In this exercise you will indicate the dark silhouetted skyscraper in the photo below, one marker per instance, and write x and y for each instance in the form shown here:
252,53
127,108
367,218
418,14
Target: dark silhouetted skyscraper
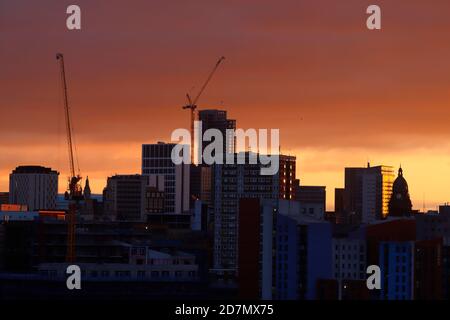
157,161
124,197
217,119
231,183
287,177
367,193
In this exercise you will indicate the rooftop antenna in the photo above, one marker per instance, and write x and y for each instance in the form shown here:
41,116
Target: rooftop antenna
423,203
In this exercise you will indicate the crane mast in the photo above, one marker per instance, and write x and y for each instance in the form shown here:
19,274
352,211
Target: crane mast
74,193
60,57
192,104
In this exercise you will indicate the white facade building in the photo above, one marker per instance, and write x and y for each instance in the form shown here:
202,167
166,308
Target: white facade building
144,265
157,161
349,259
369,198
233,182
34,186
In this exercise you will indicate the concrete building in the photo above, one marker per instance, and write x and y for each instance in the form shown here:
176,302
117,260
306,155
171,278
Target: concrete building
154,201
287,177
124,197
144,264
303,248
43,240
312,200
341,218
156,160
199,218
446,268
201,182
290,253
304,256
231,183
367,193
445,208
429,281
249,243
283,252
206,185
35,186
311,194
256,246
431,226
268,260
195,187
349,259
4,198
392,230
319,256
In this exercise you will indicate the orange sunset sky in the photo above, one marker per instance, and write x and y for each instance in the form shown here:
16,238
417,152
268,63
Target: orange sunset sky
340,94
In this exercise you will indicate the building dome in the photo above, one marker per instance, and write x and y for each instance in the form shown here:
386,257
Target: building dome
400,184
400,202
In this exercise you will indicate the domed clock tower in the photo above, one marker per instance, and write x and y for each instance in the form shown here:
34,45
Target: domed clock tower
400,203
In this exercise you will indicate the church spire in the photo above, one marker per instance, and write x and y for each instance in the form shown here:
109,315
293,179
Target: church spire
87,189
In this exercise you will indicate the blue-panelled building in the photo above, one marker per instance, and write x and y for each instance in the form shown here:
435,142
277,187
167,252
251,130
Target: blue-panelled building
287,258
397,274
304,255
319,256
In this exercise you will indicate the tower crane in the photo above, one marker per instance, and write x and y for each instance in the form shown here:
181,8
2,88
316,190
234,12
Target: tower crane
74,192
192,103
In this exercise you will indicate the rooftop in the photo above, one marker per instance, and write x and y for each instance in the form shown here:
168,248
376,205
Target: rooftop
29,169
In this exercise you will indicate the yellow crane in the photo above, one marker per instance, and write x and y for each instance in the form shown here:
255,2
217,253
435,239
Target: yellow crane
74,192
192,104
